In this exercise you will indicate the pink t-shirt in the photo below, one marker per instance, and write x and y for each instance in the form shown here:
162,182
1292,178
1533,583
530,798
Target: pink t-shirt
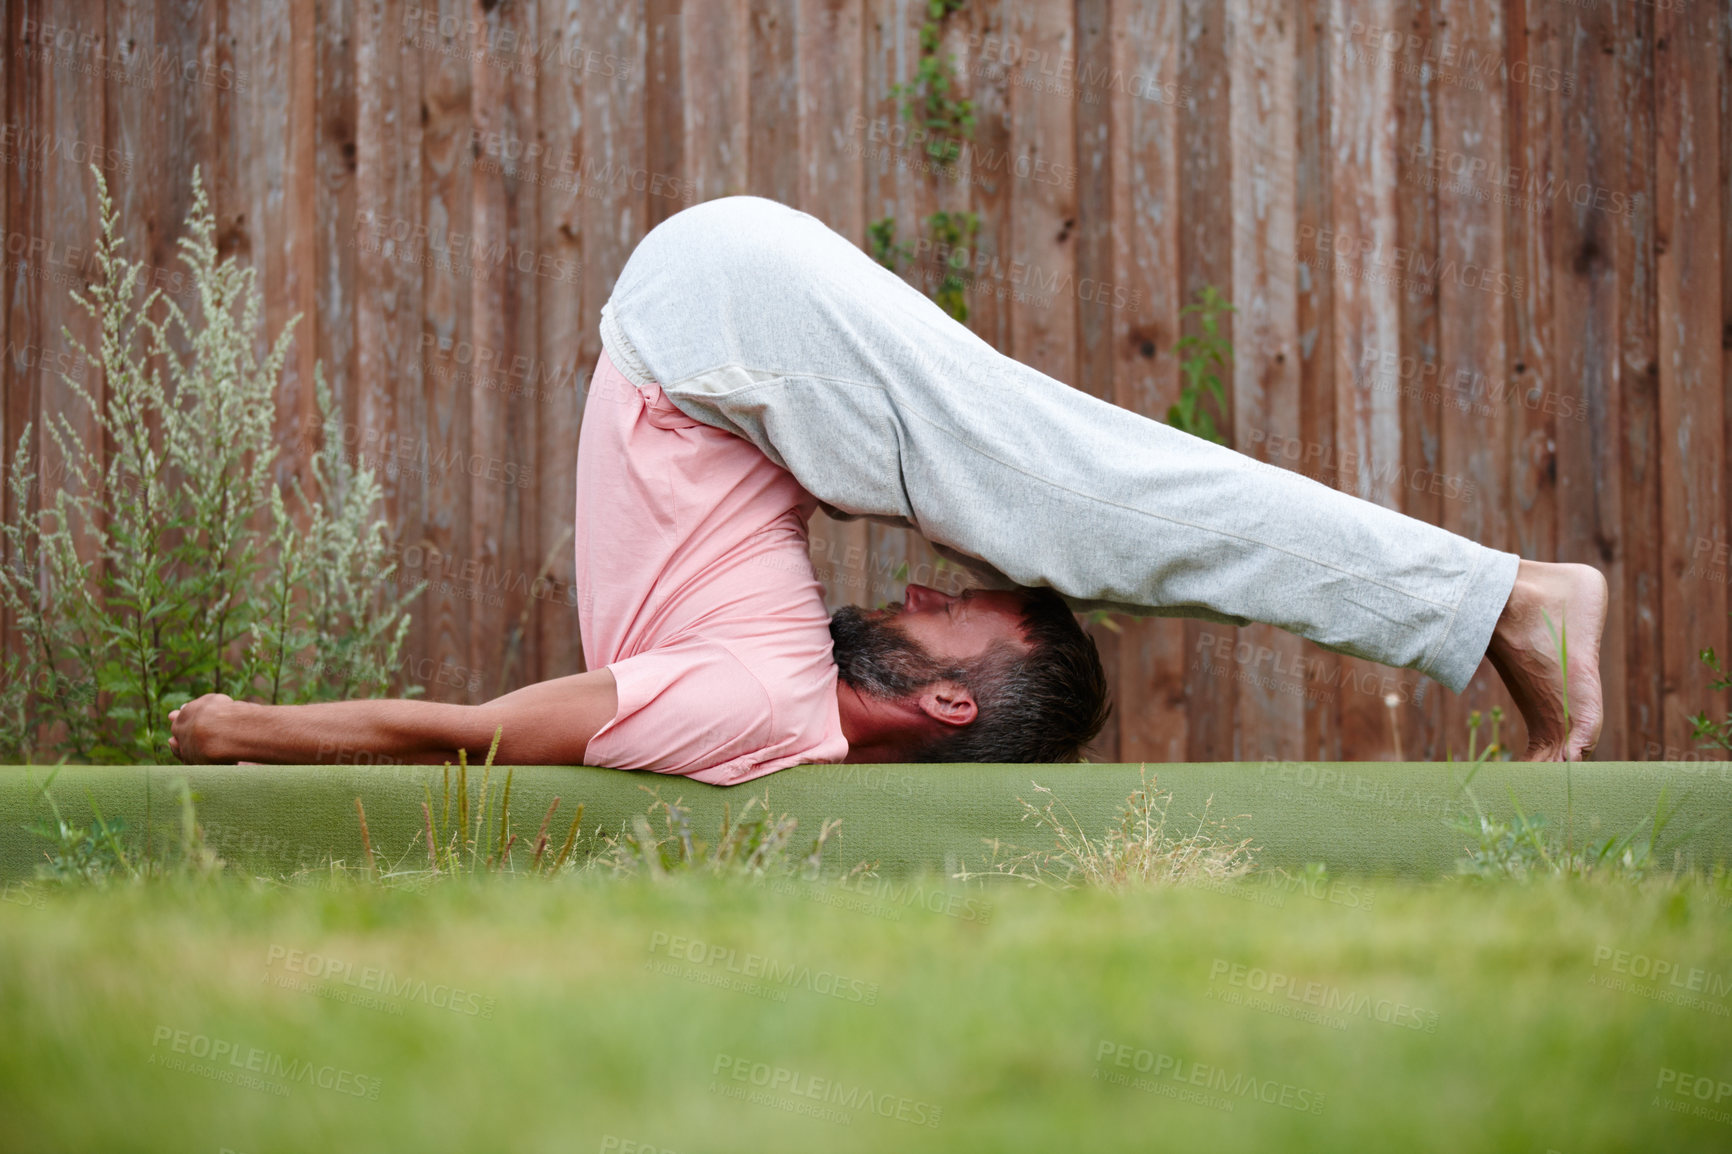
696,589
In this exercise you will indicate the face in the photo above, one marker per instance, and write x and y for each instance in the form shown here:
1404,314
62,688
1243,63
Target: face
925,637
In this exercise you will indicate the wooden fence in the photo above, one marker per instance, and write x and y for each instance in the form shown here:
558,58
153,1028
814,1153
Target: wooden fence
1476,249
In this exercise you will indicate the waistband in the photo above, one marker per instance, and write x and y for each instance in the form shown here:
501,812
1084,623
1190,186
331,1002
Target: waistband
620,351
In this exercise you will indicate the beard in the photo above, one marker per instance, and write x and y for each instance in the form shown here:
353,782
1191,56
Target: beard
879,659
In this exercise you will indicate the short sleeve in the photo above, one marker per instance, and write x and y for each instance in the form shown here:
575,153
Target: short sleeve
690,708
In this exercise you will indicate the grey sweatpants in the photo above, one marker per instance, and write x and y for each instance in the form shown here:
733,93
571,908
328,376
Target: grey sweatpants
758,319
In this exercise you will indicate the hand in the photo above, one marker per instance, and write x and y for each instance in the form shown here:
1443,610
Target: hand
200,729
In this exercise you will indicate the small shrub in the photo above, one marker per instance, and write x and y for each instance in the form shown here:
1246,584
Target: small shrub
1138,851
163,561
757,845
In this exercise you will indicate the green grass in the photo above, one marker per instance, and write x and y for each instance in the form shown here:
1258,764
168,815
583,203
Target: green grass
568,1033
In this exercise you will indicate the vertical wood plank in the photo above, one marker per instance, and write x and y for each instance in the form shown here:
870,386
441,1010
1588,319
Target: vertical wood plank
61,223
1363,140
1640,442
829,48
11,392
856,561
1692,400
279,194
1150,693
1531,369
773,140
1723,38
1205,257
507,275
664,103
1313,212
568,341
716,91
1589,136
332,325
991,177
20,397
398,244
1265,380
1471,334
1096,262
1044,214
1412,373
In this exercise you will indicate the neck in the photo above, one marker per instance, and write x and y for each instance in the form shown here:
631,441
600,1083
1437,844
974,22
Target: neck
878,731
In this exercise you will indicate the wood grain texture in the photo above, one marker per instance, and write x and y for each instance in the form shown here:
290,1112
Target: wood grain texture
1361,255
1472,341
1143,92
1516,328
1411,375
1314,297
828,41
1205,258
717,89
567,344
1265,380
1590,140
857,561
1692,392
413,145
1096,261
1640,612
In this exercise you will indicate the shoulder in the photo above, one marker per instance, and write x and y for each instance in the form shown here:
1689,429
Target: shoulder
684,707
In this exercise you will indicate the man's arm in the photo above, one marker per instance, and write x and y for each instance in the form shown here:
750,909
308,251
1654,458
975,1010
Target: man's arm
549,723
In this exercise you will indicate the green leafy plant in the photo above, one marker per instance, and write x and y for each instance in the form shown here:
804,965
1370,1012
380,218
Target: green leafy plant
1717,734
1140,850
163,560
930,102
930,99
1200,356
104,851
952,235
1527,847
881,243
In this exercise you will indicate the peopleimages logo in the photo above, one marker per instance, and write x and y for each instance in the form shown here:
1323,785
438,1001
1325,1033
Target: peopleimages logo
828,1092
1273,984
1685,1093
1112,1057
379,980
223,1060
777,974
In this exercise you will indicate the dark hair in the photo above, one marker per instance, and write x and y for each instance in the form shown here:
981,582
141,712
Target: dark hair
1040,704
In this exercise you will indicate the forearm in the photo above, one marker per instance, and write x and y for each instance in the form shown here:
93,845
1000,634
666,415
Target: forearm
340,731
549,723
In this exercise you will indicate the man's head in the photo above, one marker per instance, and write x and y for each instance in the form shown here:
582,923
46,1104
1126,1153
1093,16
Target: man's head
1004,675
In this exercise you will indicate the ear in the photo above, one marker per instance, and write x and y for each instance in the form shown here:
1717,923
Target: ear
948,703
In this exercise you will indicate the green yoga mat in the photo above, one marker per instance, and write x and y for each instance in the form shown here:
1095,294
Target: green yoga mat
1357,818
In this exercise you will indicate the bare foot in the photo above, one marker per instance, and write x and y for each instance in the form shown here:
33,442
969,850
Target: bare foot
1525,654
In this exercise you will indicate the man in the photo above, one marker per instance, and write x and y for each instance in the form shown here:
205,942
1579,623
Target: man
757,366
